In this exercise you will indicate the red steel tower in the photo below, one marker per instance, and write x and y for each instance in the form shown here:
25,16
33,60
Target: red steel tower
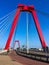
30,9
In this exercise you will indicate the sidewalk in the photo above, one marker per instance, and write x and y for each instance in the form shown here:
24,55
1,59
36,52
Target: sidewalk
6,60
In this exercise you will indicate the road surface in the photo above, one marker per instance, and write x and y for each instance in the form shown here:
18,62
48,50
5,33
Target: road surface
24,60
6,60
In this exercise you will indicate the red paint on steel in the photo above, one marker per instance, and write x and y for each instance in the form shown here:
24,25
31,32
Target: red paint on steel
38,29
22,7
12,29
15,43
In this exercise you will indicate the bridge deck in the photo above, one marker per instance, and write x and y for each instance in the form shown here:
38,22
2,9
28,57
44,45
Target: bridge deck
24,60
6,60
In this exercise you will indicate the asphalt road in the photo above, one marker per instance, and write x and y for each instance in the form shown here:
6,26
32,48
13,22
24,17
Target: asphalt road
24,60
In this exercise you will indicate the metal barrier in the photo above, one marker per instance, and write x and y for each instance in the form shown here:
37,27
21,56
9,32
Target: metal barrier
35,56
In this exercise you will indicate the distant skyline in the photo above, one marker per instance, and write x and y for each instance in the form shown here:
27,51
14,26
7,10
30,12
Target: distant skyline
7,6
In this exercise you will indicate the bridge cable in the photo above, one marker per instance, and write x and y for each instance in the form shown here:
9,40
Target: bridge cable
44,13
3,24
7,15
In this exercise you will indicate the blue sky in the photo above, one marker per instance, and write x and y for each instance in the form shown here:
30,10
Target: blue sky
7,6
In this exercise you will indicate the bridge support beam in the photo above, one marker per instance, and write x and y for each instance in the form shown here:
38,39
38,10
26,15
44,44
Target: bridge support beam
45,48
20,8
12,29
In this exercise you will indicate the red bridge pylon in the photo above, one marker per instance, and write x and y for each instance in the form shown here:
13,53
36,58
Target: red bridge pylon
30,9
16,41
